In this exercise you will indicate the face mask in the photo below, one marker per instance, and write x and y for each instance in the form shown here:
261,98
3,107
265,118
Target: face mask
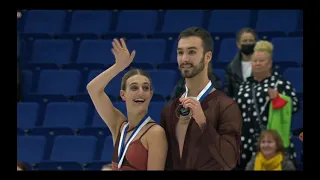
247,49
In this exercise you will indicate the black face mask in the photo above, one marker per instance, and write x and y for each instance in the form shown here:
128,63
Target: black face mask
247,49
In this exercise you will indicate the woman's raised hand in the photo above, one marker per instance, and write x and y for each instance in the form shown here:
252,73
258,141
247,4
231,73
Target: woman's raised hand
121,53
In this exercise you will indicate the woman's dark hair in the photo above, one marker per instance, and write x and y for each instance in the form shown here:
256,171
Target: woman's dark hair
131,73
246,30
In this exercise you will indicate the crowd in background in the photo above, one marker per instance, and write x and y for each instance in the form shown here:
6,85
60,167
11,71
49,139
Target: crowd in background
262,149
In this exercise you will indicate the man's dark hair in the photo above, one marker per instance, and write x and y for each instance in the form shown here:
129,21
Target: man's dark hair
204,35
246,30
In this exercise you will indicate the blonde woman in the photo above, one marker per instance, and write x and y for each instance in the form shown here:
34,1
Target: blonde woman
270,154
256,94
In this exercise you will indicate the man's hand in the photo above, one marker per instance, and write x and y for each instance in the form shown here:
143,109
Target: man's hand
195,108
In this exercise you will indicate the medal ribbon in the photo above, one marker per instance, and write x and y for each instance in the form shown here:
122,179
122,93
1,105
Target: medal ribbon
203,93
123,147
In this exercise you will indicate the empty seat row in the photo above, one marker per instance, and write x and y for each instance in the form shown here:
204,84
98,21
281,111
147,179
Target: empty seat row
146,21
79,149
69,83
150,52
72,115
77,152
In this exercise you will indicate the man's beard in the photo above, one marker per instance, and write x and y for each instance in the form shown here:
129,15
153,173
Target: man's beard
193,70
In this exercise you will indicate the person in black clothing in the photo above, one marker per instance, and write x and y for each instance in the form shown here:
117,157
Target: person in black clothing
180,88
239,69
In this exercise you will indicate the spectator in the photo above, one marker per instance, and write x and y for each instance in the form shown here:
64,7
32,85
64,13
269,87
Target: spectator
107,167
239,69
21,166
270,154
180,89
254,98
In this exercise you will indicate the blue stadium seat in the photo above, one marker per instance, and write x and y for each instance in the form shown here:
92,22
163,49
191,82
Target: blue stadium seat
171,62
226,22
56,85
155,110
221,74
300,25
27,115
297,120
173,54
276,22
44,23
98,128
107,150
158,77
96,166
51,54
228,50
121,106
176,21
64,118
94,54
149,53
21,20
59,135
30,148
27,82
78,149
114,86
59,166
288,51
97,121
137,21
66,114
88,24
20,132
298,147
23,52
295,77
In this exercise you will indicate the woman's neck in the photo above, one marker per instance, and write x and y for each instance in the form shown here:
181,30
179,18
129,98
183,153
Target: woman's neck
270,156
135,118
246,57
261,76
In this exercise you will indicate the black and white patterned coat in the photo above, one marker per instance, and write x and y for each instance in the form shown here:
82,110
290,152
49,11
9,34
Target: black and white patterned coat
251,128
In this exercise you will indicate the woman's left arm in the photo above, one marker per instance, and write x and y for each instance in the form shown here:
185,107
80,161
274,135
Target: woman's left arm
157,148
